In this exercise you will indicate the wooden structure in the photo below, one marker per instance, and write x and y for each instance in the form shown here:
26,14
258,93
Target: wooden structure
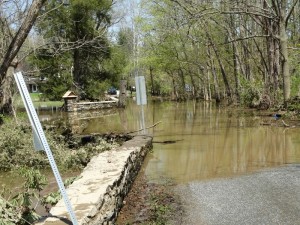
70,98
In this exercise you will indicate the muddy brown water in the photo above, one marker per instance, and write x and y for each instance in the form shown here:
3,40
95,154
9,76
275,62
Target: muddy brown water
194,141
199,140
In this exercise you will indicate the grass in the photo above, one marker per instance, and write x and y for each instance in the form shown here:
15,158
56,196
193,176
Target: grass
37,102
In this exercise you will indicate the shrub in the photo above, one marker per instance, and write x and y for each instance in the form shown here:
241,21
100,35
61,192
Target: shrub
19,209
251,93
16,148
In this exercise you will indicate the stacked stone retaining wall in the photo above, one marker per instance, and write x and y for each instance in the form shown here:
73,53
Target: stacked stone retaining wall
97,196
82,106
73,106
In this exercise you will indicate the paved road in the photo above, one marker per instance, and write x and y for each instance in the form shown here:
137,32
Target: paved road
270,196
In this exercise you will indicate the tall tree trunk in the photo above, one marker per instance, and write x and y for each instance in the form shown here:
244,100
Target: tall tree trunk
182,79
215,77
285,63
222,68
77,68
276,68
7,92
270,28
284,53
12,51
174,95
152,81
284,10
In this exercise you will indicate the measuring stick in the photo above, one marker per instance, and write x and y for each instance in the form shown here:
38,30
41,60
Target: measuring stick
40,136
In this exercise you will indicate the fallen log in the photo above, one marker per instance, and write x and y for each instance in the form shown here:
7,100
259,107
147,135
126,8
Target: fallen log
167,142
143,128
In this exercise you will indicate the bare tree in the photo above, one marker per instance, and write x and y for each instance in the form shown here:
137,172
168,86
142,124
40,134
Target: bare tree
262,26
13,48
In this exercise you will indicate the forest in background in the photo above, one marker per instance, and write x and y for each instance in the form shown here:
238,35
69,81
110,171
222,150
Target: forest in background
244,52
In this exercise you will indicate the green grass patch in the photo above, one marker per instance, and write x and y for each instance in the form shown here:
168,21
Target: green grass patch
37,102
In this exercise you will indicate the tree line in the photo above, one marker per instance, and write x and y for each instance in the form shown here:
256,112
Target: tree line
245,52
242,51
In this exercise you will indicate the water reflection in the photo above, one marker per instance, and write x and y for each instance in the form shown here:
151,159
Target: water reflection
215,142
210,141
122,121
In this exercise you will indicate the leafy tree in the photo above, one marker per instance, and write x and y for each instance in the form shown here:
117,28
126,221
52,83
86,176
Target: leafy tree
212,45
76,36
55,77
119,65
12,42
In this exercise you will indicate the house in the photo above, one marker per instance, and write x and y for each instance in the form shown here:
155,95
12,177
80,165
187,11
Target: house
33,83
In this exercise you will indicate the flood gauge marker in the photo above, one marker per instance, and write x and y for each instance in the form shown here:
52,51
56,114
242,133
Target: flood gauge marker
40,141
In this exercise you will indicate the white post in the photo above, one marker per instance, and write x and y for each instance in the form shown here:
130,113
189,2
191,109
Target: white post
42,141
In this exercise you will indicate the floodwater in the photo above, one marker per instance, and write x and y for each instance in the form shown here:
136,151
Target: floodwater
214,142
198,140
195,142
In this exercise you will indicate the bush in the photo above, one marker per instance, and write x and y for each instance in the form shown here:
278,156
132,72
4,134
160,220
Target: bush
19,208
16,148
251,93
96,90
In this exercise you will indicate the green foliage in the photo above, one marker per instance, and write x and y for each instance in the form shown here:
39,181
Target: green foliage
96,89
119,65
19,209
34,179
51,198
55,73
76,49
295,89
251,92
159,211
16,148
9,213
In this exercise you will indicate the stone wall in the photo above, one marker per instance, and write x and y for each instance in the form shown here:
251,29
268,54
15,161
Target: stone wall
97,196
72,106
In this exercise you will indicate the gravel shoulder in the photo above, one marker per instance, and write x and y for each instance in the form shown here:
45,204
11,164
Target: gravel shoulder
271,196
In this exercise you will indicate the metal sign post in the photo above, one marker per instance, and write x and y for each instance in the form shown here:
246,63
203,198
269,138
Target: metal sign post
141,97
40,141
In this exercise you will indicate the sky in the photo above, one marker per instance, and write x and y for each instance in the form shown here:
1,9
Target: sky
124,12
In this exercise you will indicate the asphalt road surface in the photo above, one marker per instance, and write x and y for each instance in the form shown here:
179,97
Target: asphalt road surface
271,196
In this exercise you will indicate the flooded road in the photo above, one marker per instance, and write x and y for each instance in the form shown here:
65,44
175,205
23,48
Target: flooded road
217,142
230,166
197,140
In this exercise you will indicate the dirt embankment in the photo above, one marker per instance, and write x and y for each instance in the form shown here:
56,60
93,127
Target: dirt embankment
150,203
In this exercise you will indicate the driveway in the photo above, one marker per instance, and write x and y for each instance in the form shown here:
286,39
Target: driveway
271,196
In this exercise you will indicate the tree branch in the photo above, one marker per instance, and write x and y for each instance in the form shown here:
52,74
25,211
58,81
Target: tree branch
245,38
145,128
20,37
290,12
247,13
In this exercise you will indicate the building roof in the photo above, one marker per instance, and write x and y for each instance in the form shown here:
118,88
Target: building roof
69,94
